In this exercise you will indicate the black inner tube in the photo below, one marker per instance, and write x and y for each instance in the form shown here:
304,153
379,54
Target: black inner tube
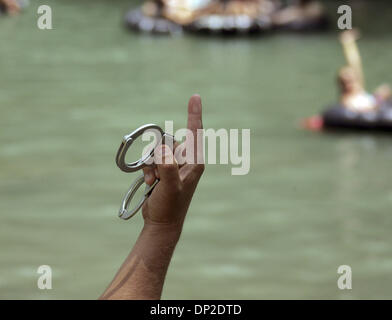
339,117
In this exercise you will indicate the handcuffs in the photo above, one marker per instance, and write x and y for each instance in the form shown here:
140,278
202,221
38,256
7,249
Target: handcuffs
146,160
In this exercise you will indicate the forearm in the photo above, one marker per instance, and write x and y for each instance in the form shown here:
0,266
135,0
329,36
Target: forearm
143,272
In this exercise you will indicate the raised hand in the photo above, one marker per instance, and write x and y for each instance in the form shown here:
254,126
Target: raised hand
171,197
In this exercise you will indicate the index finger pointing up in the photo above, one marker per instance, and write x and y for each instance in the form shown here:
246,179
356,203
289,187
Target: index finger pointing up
195,122
194,114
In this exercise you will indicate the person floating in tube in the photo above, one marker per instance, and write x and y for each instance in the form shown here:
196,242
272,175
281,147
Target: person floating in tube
301,15
355,102
166,16
199,15
351,78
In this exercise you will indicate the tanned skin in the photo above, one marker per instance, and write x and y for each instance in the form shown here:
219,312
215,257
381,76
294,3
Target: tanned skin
142,274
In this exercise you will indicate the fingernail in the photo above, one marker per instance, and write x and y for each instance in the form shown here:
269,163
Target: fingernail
196,106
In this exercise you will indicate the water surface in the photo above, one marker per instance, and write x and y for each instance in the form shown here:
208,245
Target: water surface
311,202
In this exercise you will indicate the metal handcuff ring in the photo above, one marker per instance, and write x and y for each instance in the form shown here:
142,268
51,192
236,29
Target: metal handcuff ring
162,137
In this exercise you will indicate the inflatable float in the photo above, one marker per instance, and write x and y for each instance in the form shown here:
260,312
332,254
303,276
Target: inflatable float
226,16
339,117
301,16
357,108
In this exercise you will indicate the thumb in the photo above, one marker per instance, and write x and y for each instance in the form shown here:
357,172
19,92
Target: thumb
167,165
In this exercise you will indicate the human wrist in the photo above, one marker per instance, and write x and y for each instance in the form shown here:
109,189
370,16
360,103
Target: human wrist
163,233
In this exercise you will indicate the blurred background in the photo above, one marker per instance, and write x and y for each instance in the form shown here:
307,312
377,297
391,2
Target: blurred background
311,202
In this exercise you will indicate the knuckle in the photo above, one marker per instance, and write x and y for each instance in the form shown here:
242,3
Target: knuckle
176,189
167,166
194,174
200,169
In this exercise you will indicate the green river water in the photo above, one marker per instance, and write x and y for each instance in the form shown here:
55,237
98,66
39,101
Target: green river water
310,203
